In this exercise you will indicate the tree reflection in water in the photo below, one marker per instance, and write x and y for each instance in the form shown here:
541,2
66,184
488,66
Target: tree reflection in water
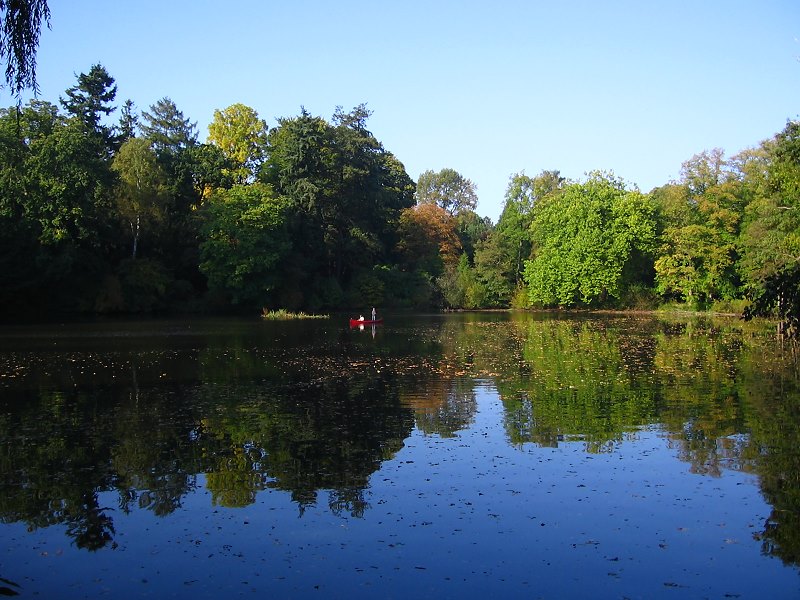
320,416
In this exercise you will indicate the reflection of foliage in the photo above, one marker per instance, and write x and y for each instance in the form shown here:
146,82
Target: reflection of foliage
727,399
61,450
154,464
697,367
442,406
780,296
330,435
773,384
317,415
92,529
49,467
584,383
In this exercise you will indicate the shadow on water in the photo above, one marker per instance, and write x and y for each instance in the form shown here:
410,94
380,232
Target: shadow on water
145,409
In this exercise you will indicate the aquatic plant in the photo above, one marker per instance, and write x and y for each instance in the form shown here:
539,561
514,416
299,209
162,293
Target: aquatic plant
284,315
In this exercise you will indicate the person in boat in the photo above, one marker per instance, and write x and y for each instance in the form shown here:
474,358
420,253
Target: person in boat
373,313
360,317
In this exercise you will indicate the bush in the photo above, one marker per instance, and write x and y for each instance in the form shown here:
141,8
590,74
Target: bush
367,290
404,289
520,299
639,297
732,307
144,284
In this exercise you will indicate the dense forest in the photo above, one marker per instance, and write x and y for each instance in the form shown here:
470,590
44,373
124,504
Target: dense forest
108,209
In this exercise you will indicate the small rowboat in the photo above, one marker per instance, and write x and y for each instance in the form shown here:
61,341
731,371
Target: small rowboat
357,322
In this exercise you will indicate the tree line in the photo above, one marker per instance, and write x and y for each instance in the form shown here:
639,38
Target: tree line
136,214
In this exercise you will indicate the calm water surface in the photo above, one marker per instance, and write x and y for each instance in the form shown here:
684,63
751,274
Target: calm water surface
440,456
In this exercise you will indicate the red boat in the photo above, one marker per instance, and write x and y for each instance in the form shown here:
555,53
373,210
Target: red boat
357,322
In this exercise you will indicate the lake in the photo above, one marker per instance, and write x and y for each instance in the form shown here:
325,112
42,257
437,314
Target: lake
463,455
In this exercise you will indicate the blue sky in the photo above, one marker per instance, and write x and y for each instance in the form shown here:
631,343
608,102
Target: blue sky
486,88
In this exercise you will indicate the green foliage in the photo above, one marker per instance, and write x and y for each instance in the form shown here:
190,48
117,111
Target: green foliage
520,298
495,272
771,236
730,307
128,122
583,238
242,137
54,207
779,297
245,243
698,258
448,189
20,25
471,230
144,285
693,264
704,171
512,236
90,99
405,289
167,129
77,196
140,191
451,287
207,168
285,315
368,289
345,190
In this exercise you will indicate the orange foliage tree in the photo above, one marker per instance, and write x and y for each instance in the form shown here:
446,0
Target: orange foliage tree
428,239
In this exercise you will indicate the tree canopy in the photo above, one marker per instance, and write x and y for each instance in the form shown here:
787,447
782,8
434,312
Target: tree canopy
20,26
242,137
584,239
100,213
447,189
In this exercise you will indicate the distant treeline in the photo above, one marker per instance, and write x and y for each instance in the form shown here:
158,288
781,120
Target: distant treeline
140,216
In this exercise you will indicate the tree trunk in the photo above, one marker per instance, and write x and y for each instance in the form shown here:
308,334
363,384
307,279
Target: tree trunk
135,232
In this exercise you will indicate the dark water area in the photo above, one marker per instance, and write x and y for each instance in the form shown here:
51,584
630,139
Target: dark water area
433,456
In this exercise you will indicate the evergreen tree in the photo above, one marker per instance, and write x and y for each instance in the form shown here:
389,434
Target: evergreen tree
90,99
128,122
167,129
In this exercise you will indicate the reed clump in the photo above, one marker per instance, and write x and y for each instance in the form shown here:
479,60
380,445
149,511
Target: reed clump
284,315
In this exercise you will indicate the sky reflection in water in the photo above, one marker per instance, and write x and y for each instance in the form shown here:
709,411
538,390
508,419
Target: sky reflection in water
446,456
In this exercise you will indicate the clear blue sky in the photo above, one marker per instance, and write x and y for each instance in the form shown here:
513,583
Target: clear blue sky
486,88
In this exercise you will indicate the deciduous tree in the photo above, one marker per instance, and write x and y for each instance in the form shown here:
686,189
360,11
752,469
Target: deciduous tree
583,239
140,192
428,239
21,23
447,189
242,136
513,228
703,213
54,206
246,240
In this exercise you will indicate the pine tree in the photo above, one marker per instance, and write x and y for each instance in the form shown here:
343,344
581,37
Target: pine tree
91,99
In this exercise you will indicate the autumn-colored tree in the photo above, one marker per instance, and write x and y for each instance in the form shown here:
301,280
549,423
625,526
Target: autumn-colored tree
428,239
